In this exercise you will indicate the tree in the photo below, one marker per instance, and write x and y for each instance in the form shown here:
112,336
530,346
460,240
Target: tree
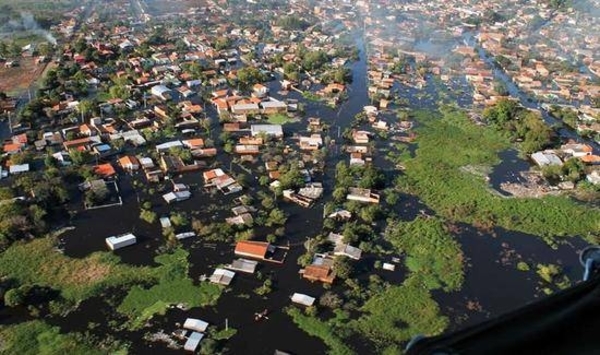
249,76
87,107
342,267
14,297
119,92
276,217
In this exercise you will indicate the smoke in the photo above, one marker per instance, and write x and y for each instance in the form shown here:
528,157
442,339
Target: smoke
30,24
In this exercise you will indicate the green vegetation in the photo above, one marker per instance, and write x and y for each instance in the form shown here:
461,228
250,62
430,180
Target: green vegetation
279,118
174,286
435,175
519,124
148,216
36,337
36,262
315,327
431,253
399,313
523,266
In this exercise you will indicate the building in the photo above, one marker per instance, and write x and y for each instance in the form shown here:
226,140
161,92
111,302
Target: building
546,158
193,341
268,129
120,241
18,169
320,270
303,299
222,277
196,325
129,162
161,91
252,249
243,265
177,196
362,195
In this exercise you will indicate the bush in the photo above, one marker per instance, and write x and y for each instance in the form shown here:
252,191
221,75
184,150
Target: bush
148,216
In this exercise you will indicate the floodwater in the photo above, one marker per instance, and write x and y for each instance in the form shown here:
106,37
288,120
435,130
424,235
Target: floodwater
509,170
493,284
496,287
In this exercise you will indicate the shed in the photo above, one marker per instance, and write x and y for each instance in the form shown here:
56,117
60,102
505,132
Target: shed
185,235
389,267
243,265
303,299
222,276
195,325
18,169
177,196
121,241
193,341
165,222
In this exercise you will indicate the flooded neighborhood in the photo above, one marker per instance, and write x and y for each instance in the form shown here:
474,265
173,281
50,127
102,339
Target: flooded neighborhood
306,177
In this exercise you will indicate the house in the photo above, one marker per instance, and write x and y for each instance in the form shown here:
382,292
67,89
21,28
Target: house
577,150
120,241
193,341
320,270
303,299
238,210
177,196
253,249
245,218
593,177
545,158
18,169
247,149
105,170
273,106
129,162
171,164
195,325
267,129
347,250
259,90
243,265
362,195
12,148
245,109
222,277
360,137
341,215
314,142
161,91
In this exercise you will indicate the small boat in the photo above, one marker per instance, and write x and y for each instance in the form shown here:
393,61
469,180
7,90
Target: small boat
261,315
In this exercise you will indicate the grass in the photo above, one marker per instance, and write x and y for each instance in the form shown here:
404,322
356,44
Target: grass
37,337
399,313
450,142
279,118
36,262
430,252
174,286
322,330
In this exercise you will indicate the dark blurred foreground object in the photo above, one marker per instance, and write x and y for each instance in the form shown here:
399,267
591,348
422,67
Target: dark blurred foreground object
567,322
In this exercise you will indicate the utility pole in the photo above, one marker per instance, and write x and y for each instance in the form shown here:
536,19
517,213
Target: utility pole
226,324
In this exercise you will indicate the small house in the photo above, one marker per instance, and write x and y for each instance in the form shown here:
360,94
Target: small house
193,341
129,162
303,299
222,277
120,241
196,325
243,265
